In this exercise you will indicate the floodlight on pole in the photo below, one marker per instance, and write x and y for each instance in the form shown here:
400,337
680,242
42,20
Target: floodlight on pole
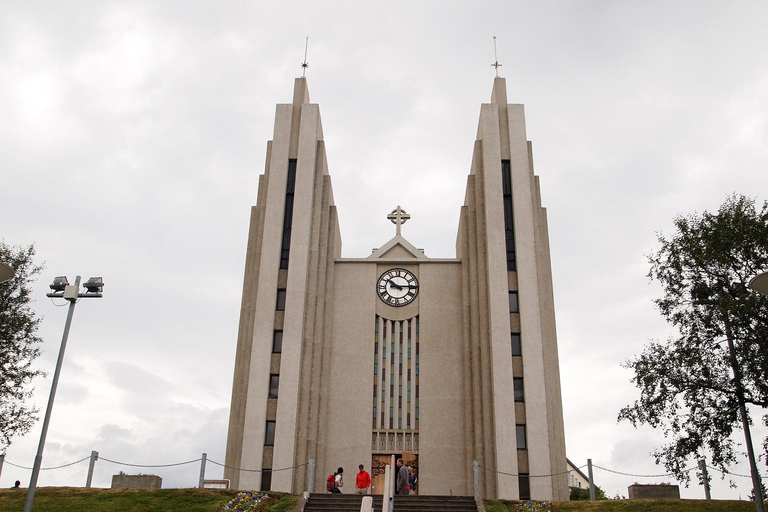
59,284
61,289
6,272
759,283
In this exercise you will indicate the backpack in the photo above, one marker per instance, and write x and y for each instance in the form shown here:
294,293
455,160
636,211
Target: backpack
330,482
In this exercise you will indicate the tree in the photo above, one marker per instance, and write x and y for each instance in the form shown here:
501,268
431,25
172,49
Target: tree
690,387
579,493
19,343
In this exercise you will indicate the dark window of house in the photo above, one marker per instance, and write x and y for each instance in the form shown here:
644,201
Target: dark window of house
274,383
266,479
518,384
285,250
517,347
509,221
520,434
525,486
514,307
269,437
277,342
280,300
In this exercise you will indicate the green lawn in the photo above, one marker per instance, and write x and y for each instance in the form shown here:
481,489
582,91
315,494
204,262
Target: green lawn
74,499
628,506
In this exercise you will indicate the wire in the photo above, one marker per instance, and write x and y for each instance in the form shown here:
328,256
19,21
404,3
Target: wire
256,470
53,467
530,476
149,465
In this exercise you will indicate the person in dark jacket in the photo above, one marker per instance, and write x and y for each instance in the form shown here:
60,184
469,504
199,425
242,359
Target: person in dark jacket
402,487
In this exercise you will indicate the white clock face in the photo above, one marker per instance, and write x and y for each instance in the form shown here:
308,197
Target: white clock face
397,287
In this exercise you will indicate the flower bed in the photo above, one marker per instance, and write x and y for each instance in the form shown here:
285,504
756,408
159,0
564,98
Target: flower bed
246,502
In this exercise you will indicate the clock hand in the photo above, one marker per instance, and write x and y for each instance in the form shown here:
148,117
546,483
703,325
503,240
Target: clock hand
395,285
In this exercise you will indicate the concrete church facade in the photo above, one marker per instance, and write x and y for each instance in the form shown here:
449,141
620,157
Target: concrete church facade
440,361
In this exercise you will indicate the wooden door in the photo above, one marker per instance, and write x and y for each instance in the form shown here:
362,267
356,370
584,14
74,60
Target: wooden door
412,460
377,473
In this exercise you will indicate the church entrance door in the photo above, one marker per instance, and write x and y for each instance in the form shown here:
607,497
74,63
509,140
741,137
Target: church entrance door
379,463
377,472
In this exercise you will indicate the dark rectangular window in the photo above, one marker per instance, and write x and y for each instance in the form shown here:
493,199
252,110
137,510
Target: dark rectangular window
266,479
514,307
525,486
509,221
285,250
517,347
280,300
522,444
518,384
274,383
269,437
277,342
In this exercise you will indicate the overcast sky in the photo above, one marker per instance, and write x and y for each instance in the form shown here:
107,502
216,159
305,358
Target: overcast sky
132,135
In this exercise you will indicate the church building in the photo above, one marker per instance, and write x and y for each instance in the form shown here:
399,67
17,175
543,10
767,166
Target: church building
453,360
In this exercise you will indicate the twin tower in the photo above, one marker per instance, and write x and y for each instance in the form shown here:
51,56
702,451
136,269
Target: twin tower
442,362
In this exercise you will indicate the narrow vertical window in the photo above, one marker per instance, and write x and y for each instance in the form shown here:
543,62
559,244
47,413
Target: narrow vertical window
277,342
274,383
518,385
517,346
509,221
285,250
269,436
280,306
524,483
266,479
514,306
522,444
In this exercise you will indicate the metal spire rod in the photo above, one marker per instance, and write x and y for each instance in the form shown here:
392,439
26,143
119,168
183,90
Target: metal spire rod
495,64
305,64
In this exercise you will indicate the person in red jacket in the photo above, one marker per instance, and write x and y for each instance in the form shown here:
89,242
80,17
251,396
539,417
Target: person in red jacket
362,481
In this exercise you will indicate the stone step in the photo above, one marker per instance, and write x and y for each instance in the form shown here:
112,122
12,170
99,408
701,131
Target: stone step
352,502
434,503
338,503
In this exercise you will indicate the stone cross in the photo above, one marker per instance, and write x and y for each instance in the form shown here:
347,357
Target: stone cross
495,64
398,217
305,64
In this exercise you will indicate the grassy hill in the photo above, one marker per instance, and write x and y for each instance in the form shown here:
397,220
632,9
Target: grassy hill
73,499
76,499
626,506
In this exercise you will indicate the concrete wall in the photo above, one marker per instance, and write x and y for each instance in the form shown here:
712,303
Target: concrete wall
638,491
442,448
136,482
348,435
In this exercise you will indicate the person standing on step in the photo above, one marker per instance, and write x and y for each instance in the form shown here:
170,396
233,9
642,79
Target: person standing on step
412,479
339,480
402,487
362,481
335,481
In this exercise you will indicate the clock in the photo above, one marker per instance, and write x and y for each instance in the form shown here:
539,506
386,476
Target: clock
397,287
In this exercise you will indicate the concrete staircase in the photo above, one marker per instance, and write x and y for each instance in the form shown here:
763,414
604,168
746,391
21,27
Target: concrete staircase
318,502
434,504
351,503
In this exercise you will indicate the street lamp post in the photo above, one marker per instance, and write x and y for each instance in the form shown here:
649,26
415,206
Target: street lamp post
759,283
756,484
737,378
61,289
